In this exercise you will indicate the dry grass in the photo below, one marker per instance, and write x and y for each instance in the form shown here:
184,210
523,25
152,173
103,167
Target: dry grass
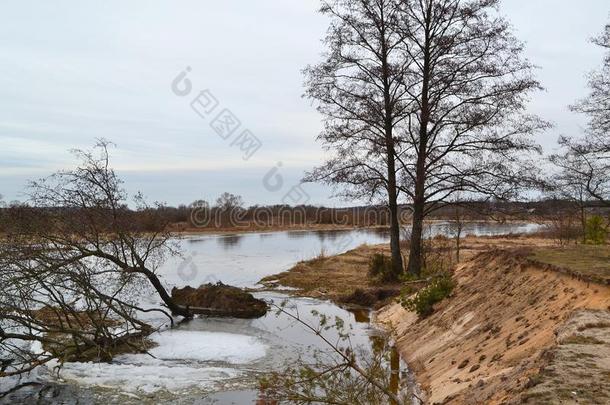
220,300
87,323
332,277
337,277
587,261
83,320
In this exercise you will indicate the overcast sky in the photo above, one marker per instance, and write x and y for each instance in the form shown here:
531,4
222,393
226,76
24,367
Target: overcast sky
74,71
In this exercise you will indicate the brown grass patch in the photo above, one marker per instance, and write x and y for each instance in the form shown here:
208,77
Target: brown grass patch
337,277
62,325
588,261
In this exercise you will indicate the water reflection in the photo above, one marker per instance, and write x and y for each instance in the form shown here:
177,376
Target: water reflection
296,235
244,259
379,346
394,372
235,242
361,315
229,242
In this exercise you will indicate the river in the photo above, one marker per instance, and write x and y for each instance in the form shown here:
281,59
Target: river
218,361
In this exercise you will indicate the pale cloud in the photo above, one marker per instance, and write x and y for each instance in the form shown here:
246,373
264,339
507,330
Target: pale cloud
73,71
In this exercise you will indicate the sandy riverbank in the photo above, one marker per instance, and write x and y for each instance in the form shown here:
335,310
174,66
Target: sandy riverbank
489,342
514,330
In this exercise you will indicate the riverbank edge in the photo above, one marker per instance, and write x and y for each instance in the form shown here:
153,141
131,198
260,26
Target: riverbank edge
396,320
320,227
478,347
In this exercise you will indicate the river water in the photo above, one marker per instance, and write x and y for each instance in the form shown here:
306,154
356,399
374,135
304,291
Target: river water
218,361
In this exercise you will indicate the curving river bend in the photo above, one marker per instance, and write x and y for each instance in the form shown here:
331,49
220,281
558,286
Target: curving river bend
217,361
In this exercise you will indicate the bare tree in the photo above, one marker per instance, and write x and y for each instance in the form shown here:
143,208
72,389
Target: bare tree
73,308
359,90
585,163
583,172
229,210
597,104
88,214
582,175
73,263
458,222
467,85
228,201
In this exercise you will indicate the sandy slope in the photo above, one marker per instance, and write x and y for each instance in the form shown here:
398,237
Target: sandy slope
486,343
577,369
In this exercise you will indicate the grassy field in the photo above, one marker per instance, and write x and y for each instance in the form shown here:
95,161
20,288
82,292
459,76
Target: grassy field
589,261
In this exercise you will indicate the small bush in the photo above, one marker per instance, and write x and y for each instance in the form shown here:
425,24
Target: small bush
380,267
564,227
423,302
321,257
595,230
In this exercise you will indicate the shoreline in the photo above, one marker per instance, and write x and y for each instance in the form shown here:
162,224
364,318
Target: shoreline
439,350
248,231
328,227
491,341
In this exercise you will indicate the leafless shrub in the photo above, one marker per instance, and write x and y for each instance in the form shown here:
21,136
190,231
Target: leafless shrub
72,266
341,375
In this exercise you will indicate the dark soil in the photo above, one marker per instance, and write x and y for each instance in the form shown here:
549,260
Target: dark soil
220,300
371,297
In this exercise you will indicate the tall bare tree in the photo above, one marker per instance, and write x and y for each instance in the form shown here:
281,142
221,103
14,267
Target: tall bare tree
583,175
467,84
597,104
584,162
359,89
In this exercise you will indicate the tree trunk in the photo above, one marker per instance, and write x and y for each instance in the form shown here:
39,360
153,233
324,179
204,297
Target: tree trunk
458,232
397,265
458,244
167,299
415,251
583,222
419,199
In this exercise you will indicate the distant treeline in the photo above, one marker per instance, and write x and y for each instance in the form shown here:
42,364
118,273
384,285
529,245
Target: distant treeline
201,215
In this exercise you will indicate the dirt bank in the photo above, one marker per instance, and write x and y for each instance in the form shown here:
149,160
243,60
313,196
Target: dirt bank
220,300
491,342
340,277
577,369
496,340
